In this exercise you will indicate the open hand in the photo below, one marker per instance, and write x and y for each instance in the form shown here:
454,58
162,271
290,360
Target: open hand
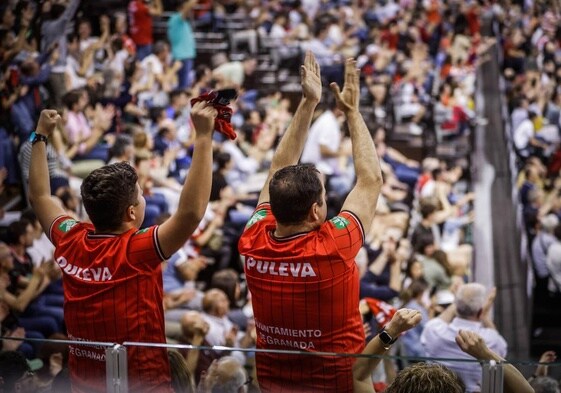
311,78
47,121
489,302
348,99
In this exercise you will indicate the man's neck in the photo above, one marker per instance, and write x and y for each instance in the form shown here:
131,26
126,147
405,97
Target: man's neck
289,230
117,231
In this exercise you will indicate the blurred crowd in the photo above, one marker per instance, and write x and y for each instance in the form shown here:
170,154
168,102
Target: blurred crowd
124,88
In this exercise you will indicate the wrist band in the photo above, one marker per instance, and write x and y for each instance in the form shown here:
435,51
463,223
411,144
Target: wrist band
35,137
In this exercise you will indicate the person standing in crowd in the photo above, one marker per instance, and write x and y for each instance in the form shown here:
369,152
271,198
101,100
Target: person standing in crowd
300,268
182,41
56,21
470,311
107,265
140,14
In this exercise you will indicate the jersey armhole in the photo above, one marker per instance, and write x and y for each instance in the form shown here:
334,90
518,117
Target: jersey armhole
157,246
363,236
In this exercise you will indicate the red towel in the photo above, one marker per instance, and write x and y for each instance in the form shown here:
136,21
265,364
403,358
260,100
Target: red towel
222,123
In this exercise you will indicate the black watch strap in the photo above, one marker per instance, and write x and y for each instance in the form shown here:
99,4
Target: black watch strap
35,137
386,339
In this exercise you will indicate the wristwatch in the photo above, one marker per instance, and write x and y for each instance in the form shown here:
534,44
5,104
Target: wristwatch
35,137
386,339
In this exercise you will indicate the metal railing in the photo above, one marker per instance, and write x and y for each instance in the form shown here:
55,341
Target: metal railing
116,364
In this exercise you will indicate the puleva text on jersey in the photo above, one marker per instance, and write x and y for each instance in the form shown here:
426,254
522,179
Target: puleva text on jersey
294,269
87,274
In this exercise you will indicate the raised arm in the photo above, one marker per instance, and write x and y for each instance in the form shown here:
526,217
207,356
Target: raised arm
363,197
403,320
156,8
46,207
187,7
292,143
196,191
474,345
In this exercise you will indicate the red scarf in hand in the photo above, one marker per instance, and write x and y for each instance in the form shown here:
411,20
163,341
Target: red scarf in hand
222,123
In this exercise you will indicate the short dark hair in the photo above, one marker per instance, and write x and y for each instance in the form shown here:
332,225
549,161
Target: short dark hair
426,378
72,97
226,280
107,192
120,145
427,208
15,230
293,190
13,366
30,216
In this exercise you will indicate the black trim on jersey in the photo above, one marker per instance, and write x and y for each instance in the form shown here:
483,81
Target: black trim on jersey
93,235
157,245
357,220
287,238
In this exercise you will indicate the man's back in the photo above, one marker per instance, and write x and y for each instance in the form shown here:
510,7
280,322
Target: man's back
306,298
113,293
439,340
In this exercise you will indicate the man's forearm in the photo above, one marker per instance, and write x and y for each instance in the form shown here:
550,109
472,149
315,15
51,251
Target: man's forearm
514,381
39,185
363,366
291,146
366,162
196,191
448,314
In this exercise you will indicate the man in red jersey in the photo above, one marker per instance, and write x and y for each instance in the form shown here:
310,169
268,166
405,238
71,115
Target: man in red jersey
300,268
140,14
111,270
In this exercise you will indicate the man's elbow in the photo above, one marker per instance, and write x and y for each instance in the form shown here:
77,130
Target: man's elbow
371,179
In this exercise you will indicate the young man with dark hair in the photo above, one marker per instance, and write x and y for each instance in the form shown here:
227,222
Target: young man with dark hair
300,268
111,270
15,373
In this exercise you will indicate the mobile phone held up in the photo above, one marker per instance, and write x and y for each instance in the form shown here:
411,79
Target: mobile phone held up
224,96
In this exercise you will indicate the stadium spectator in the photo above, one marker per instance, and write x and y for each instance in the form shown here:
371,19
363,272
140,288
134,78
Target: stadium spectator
115,221
15,373
540,247
553,263
221,330
56,20
225,375
140,18
182,41
476,346
470,311
281,245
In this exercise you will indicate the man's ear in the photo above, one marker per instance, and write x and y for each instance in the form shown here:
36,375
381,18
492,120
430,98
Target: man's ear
130,214
314,213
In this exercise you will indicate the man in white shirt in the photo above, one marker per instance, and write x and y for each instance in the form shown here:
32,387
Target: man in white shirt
525,140
322,145
554,262
470,311
324,149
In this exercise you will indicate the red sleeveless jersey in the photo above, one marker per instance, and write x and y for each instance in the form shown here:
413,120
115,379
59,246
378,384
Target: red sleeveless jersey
112,292
305,295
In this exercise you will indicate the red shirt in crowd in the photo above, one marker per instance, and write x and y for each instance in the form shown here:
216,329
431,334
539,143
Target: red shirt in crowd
112,293
140,22
305,294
